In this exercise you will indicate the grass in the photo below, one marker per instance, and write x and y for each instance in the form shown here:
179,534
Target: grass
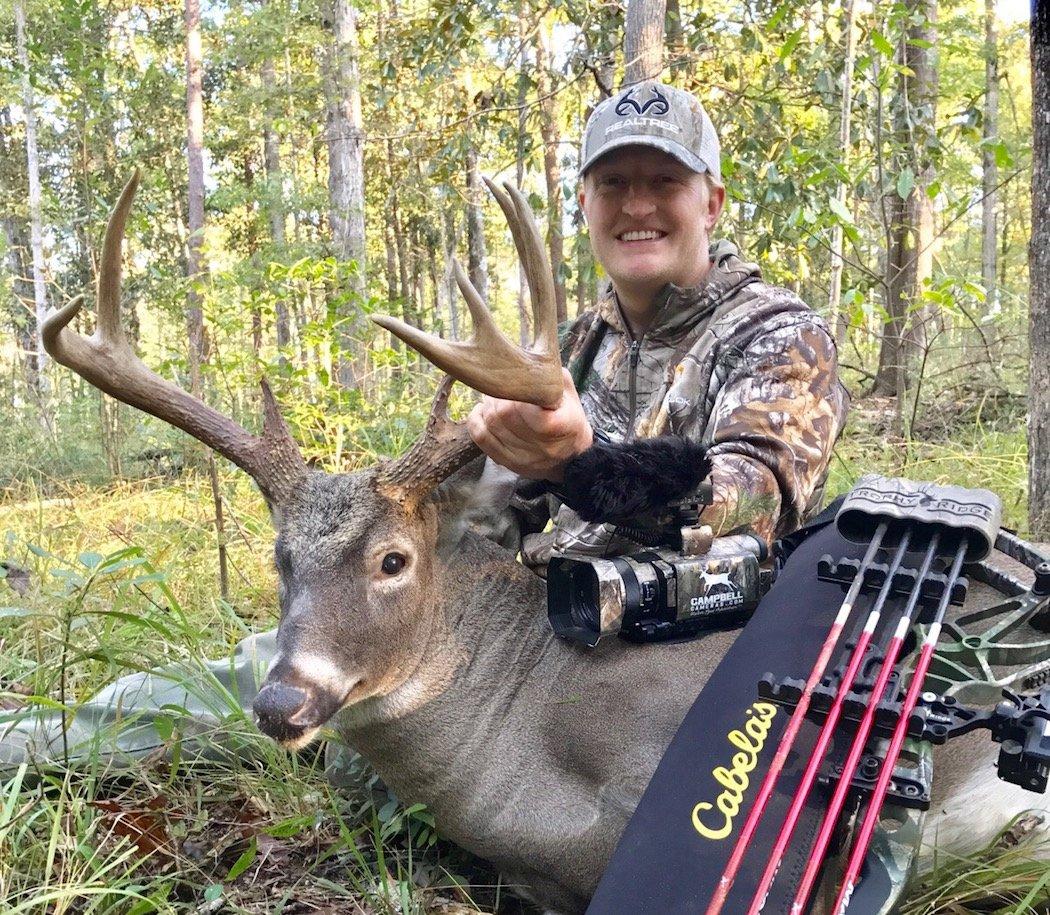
123,577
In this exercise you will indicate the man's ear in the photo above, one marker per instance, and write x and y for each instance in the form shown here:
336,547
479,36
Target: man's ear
581,195
716,201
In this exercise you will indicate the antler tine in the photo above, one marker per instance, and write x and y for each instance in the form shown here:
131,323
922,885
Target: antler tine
490,363
107,361
112,266
440,451
531,250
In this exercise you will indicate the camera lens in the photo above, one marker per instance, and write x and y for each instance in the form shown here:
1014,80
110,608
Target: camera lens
583,608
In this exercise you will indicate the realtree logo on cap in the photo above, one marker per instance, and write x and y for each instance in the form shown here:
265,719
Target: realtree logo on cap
657,102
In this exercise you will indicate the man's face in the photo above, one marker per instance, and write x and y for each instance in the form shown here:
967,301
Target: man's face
649,217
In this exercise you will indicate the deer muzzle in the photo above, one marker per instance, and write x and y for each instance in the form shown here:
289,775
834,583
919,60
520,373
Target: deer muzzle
290,712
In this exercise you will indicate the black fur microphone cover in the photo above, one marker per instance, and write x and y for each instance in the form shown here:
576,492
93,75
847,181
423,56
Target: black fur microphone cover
617,482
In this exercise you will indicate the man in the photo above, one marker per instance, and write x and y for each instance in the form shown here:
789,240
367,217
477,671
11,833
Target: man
687,348
686,340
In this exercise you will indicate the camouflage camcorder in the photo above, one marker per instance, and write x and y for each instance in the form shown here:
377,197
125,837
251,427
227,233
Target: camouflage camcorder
658,594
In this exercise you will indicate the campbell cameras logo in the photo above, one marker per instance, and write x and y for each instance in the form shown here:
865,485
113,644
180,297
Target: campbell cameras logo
656,103
722,594
735,780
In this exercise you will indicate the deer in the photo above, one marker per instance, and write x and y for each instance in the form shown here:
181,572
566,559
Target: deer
426,646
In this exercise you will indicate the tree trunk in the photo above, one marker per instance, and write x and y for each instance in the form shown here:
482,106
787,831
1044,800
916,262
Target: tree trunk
551,170
477,254
447,226
835,312
252,243
644,40
519,158
16,239
346,179
35,219
1039,283
909,257
195,269
397,224
195,203
274,188
676,47
989,236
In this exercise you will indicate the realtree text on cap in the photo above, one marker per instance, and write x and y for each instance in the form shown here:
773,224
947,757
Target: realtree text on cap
656,115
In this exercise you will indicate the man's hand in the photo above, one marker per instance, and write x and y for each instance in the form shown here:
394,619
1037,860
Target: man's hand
532,441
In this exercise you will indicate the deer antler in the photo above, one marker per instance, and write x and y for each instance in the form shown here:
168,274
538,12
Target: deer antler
488,363
107,361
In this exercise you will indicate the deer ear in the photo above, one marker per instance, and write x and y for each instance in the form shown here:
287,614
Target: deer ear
476,498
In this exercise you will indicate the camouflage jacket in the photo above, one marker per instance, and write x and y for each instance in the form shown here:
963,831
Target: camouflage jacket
743,366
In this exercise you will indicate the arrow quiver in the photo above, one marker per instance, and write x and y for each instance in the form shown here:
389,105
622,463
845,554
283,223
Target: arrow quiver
919,554
886,710
980,669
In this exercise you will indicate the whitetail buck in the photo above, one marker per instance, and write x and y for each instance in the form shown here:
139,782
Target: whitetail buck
437,659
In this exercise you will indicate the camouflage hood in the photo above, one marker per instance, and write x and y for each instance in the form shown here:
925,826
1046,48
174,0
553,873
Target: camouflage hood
680,309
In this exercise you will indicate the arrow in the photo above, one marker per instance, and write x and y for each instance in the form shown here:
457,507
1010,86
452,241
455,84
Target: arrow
765,791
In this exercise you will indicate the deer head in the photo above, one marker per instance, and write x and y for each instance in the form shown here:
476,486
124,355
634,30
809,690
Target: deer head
356,554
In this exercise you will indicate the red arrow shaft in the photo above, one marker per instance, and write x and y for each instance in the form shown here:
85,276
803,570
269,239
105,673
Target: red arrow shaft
900,732
765,791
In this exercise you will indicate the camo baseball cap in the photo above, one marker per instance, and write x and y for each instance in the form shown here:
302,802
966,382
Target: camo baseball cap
653,114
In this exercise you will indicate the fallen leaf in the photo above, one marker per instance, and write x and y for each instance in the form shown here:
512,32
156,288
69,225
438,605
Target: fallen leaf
146,828
17,577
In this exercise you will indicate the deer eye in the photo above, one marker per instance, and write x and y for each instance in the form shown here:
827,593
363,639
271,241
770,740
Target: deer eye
393,563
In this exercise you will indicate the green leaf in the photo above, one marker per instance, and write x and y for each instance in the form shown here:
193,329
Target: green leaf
839,209
1002,156
793,39
882,45
290,827
244,861
164,727
17,612
905,183
778,16
90,560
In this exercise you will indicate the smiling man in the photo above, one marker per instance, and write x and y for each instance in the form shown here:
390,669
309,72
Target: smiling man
687,344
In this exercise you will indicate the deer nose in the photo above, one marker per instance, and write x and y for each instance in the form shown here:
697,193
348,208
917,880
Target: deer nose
274,707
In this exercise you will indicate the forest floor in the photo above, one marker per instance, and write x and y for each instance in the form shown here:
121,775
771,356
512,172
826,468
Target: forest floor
106,581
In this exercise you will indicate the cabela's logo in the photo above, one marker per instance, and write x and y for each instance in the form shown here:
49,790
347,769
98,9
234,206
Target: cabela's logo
734,780
657,102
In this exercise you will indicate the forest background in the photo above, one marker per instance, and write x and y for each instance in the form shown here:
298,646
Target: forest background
306,163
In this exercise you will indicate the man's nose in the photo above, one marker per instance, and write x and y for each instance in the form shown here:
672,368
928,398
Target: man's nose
638,202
